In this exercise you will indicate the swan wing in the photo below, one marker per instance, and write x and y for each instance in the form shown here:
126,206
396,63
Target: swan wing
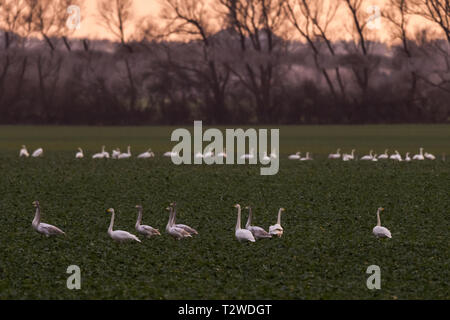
381,232
186,228
259,233
244,235
121,235
147,230
49,229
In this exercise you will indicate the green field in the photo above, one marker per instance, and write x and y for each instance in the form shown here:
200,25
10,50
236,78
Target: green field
323,254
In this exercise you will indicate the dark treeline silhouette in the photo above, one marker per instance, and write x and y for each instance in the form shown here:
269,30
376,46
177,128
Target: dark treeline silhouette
249,71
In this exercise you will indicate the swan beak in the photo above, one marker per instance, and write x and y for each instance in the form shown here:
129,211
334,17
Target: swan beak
283,209
109,210
382,209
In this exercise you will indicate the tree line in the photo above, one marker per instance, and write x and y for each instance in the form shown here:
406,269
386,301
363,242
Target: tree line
225,62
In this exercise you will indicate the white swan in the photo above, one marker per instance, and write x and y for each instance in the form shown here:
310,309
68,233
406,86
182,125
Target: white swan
242,234
38,153
115,153
374,158
178,225
419,156
119,235
407,157
368,156
336,155
144,229
175,232
265,157
79,154
378,230
397,156
348,157
100,155
44,228
248,155
384,155
276,229
295,156
24,152
126,155
307,158
258,232
148,154
170,154
429,156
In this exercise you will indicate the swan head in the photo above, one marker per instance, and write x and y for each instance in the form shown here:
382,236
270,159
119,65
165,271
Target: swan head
237,206
23,146
138,206
247,207
380,209
173,204
282,209
35,203
110,210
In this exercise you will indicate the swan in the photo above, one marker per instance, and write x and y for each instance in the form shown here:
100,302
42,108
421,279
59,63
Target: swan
419,156
347,157
273,154
258,232
119,235
265,158
307,158
148,154
248,155
276,229
182,226
374,159
24,152
144,229
79,154
125,155
100,155
242,234
295,156
384,155
175,232
44,228
222,154
429,156
170,154
397,156
38,153
378,230
368,156
336,155
407,157
115,153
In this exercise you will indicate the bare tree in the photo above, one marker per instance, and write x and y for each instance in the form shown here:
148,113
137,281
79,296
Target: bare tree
436,11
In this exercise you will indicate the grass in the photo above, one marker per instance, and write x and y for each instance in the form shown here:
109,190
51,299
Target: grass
324,253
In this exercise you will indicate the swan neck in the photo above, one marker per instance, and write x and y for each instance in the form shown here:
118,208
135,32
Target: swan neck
37,216
279,217
378,218
249,220
169,223
139,219
110,229
238,223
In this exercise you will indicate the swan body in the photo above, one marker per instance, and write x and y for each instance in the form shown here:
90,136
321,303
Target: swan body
419,156
242,234
170,154
396,156
44,228
119,235
336,155
258,232
307,158
295,156
24,152
384,155
248,155
177,233
368,156
407,157
38,153
79,154
115,153
266,157
100,155
348,157
126,155
429,156
148,154
378,230
374,158
144,229
179,225
277,229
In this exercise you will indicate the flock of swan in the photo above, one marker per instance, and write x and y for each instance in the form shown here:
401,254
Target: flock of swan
117,154
251,233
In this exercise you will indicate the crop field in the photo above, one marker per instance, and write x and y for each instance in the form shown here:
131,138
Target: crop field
324,252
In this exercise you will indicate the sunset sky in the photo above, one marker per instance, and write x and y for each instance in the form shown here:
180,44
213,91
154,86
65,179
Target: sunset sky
91,28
